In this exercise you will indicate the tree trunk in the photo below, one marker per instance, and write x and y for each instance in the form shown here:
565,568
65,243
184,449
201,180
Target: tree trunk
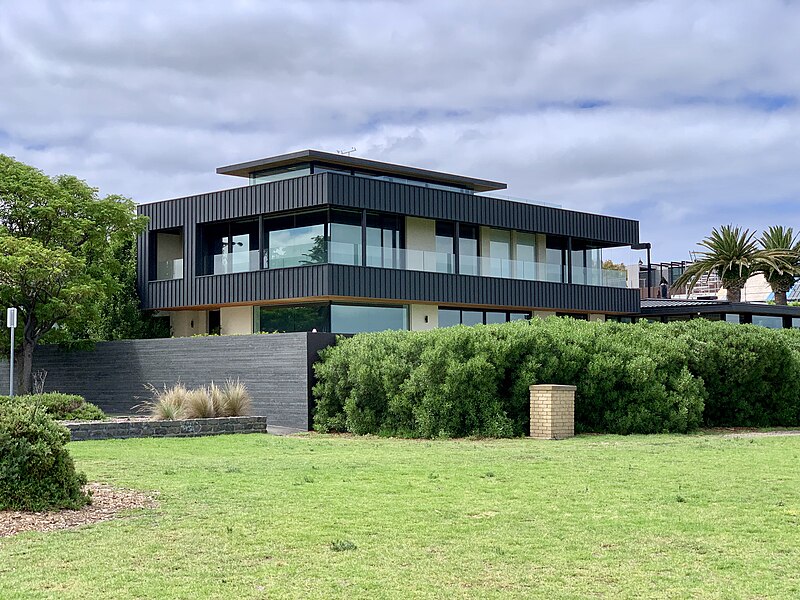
27,366
734,293
780,297
29,339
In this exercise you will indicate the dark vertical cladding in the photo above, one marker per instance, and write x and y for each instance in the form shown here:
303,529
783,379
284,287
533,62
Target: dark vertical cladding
359,192
388,284
330,189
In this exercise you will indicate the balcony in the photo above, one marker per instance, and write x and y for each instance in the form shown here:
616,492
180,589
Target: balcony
340,253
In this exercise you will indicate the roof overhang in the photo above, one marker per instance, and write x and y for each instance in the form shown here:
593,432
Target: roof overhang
656,307
351,162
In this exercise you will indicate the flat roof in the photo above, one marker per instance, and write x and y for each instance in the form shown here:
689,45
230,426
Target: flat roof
674,306
351,162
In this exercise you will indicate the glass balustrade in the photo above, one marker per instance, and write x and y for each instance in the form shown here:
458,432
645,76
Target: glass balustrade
169,269
235,262
341,253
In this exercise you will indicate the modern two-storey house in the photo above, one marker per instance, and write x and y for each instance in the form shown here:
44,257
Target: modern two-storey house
329,242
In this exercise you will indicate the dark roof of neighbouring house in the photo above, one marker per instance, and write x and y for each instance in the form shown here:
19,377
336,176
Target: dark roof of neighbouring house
351,162
678,306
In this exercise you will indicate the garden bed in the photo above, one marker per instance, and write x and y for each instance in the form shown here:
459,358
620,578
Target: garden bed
123,428
107,503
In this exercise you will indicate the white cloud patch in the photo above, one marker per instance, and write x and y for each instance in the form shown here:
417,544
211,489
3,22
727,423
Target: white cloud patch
683,114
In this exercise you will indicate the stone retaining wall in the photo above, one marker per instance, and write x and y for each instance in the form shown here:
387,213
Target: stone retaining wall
106,430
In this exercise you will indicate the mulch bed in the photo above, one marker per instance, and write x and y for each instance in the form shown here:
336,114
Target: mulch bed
107,503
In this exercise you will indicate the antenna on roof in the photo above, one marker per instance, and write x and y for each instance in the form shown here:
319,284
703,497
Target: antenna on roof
346,152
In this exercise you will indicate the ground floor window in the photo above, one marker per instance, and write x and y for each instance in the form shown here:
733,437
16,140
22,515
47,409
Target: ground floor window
332,317
355,318
286,319
768,321
449,317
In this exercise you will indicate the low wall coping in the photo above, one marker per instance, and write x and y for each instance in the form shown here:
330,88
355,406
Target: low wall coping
553,387
137,428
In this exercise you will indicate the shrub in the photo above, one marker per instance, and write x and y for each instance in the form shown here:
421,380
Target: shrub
640,378
751,374
167,404
177,402
36,471
217,399
198,404
62,407
235,400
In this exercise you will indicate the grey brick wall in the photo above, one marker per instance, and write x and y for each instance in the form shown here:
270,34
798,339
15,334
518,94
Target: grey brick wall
275,368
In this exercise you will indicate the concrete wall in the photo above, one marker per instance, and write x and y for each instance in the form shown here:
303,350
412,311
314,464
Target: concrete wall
417,314
275,368
420,234
236,320
186,323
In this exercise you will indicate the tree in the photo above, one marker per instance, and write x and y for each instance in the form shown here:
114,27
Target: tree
781,241
734,255
59,262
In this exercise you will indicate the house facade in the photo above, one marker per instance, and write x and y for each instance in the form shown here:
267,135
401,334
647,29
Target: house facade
329,242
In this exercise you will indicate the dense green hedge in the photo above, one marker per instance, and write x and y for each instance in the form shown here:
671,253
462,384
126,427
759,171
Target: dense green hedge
36,471
63,407
641,378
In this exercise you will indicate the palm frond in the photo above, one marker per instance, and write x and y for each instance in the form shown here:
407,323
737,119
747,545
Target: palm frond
731,253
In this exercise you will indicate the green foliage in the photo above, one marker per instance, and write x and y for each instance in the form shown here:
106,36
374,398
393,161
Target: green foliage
783,242
62,253
36,471
641,378
730,253
62,407
177,402
734,255
751,374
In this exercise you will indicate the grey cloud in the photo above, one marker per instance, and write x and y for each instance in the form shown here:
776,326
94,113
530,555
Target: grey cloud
146,98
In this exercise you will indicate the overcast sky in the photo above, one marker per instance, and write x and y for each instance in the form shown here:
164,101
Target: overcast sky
683,115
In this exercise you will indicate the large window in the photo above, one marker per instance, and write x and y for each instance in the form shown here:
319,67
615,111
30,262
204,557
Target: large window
280,173
445,245
768,321
229,247
166,252
525,256
455,316
384,240
296,240
345,234
499,253
352,318
302,317
468,251
555,258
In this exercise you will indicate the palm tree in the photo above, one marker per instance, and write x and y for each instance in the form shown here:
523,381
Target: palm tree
785,247
733,254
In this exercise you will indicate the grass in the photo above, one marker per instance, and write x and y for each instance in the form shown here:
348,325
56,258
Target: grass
324,517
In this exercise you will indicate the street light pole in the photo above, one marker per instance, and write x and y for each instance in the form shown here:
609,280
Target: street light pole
11,323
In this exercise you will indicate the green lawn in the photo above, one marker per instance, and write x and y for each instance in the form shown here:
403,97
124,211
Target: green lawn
596,516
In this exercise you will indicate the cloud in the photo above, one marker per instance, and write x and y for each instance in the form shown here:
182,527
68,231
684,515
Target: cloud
683,114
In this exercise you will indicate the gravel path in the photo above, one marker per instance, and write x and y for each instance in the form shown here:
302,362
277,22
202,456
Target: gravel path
107,503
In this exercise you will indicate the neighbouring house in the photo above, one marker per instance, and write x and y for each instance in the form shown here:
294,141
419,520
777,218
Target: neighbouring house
708,299
335,243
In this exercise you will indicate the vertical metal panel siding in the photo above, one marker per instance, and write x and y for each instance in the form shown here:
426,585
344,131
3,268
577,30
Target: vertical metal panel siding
357,192
388,284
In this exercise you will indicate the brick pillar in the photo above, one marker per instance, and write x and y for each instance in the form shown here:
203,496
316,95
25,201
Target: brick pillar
552,411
